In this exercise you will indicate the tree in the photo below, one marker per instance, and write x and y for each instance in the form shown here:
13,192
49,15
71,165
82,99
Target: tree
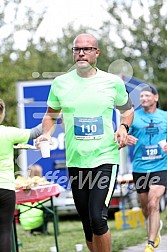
140,38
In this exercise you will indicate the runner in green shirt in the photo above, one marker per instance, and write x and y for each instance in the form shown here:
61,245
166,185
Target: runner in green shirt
87,96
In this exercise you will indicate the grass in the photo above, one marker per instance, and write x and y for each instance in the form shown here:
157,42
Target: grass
70,233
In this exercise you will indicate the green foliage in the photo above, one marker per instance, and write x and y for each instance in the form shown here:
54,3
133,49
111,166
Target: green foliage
141,41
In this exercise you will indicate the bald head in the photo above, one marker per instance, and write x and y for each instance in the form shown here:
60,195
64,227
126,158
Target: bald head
85,54
86,38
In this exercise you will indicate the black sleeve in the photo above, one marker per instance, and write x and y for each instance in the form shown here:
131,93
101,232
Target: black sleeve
126,106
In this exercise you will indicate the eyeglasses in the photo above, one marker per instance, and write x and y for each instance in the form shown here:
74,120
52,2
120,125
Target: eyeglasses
86,50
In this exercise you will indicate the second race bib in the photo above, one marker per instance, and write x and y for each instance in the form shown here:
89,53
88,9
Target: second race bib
151,152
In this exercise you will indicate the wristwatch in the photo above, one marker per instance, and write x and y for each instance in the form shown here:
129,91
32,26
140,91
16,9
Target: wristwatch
126,126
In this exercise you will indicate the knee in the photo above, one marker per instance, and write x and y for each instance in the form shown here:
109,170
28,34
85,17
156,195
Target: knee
99,225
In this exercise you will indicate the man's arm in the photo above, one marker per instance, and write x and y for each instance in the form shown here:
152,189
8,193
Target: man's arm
49,121
122,133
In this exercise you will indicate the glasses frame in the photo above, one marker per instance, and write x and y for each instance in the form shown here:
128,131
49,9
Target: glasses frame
91,48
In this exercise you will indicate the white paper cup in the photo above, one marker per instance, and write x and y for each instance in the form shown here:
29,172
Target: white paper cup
53,249
45,149
79,247
162,143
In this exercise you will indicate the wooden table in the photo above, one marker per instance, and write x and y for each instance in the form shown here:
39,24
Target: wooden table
40,194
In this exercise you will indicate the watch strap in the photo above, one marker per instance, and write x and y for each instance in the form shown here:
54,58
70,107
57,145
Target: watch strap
126,126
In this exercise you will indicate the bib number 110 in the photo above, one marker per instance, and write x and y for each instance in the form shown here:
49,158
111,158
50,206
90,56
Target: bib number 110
89,128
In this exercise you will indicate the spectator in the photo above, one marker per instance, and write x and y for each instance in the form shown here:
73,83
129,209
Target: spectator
9,136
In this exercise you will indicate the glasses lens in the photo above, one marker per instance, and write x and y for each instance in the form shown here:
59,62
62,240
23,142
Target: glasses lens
86,50
76,50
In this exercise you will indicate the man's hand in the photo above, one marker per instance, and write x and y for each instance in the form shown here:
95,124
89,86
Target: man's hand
165,148
41,138
120,136
48,126
131,140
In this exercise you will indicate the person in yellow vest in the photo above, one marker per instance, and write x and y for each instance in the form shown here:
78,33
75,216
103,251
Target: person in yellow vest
32,219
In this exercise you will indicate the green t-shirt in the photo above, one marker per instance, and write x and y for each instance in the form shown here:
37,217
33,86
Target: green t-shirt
87,106
8,137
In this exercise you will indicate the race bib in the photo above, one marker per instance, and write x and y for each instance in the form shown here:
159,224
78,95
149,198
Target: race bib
88,127
151,152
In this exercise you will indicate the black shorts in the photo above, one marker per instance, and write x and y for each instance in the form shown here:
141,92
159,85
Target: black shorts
143,181
92,191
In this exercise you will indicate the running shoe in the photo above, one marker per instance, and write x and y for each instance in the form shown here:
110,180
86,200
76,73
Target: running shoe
149,248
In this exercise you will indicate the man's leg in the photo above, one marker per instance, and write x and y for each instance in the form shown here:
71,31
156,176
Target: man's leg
90,246
100,196
102,242
143,198
154,196
80,192
92,203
